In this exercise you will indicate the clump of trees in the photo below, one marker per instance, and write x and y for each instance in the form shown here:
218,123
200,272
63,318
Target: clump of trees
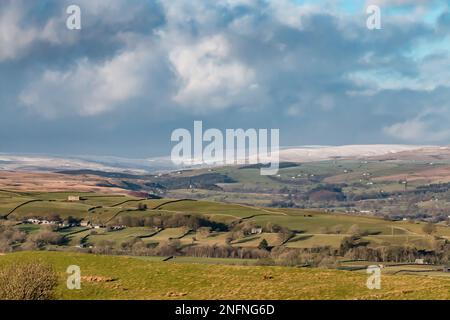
45,238
142,206
263,245
355,248
225,252
12,239
193,222
105,247
324,257
283,204
27,281
324,193
174,247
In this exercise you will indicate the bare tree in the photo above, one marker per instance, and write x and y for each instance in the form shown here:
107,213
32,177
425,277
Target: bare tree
28,281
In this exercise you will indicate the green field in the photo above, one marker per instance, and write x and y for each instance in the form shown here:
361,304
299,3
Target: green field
135,278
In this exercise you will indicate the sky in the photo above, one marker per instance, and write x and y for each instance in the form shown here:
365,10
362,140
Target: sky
137,70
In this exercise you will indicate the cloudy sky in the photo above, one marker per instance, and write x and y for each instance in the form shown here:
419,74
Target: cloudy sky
139,69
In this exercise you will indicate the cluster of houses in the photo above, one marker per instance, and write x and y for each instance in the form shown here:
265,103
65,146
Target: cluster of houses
117,228
86,224
50,223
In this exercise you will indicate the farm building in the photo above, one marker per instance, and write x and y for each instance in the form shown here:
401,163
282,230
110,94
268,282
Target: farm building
33,221
117,228
256,231
85,223
73,198
41,221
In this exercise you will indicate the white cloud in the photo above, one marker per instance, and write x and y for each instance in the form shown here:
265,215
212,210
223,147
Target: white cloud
432,72
291,14
426,127
235,3
209,76
180,14
14,38
17,35
91,88
410,130
205,73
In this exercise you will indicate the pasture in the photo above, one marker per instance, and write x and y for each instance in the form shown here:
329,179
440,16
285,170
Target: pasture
150,278
311,228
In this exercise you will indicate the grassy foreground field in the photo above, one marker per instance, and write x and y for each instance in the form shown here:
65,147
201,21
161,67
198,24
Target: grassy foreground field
109,277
